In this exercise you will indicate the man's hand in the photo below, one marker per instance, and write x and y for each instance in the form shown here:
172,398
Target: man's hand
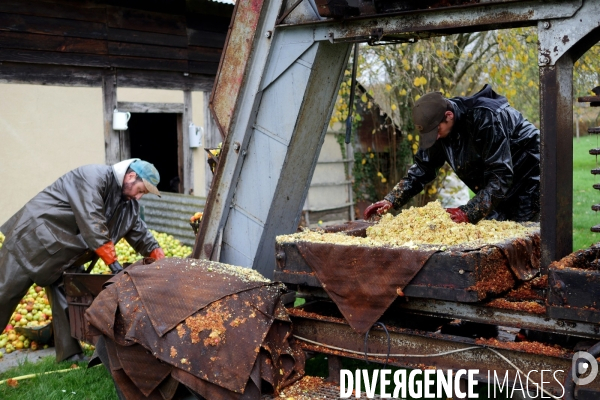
457,215
381,207
115,267
157,254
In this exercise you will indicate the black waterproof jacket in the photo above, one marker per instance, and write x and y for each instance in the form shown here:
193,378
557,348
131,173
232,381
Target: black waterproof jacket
71,218
494,150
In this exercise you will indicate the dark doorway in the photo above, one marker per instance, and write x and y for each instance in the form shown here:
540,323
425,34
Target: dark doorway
154,139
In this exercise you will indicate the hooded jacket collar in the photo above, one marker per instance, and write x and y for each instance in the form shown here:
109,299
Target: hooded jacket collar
120,168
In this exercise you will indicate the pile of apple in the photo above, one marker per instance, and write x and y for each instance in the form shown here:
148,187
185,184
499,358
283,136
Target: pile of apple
126,254
34,309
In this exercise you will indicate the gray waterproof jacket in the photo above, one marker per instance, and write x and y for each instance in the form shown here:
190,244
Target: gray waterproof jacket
67,221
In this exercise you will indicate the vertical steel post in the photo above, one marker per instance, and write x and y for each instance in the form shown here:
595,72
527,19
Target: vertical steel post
556,199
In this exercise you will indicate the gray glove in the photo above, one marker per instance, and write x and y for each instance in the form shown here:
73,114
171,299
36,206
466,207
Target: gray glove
115,267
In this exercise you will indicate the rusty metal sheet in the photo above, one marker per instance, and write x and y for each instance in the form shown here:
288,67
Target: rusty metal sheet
467,18
574,283
529,356
134,361
232,68
218,344
102,319
196,282
78,284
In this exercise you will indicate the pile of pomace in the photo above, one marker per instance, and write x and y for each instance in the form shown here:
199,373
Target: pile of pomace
428,225
34,309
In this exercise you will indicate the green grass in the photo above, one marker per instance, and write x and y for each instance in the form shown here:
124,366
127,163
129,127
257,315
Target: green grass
584,195
82,383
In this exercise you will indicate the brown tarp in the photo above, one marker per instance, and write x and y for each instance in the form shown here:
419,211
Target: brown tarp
363,281
222,335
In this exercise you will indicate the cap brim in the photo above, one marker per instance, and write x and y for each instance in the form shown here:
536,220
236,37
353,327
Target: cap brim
151,188
427,139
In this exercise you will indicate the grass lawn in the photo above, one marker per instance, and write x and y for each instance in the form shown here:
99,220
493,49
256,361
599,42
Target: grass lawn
584,195
82,383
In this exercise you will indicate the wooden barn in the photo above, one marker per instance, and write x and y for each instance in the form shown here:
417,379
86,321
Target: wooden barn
66,66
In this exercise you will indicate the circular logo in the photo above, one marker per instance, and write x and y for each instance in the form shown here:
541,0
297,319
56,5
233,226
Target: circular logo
583,362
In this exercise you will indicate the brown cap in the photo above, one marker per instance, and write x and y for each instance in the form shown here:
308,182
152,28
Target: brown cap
428,112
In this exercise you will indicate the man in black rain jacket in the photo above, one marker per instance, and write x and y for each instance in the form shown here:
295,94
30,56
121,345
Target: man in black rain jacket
78,217
492,148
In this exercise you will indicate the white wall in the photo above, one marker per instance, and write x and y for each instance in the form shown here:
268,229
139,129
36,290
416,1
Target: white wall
45,131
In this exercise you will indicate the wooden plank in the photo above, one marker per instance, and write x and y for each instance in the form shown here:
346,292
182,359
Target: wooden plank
164,80
48,57
147,51
180,162
147,21
63,44
159,39
132,107
124,145
52,26
208,21
206,38
188,171
206,54
77,10
43,74
201,67
148,63
213,8
67,75
212,138
109,101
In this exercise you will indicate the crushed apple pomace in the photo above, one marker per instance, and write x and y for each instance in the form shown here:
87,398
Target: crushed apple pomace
428,225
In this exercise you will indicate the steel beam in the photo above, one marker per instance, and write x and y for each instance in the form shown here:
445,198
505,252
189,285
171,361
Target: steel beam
274,136
412,24
483,314
502,317
557,36
556,164
418,346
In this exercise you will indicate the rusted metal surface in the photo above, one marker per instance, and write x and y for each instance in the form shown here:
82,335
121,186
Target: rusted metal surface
556,164
232,334
80,290
467,18
530,356
574,284
557,37
482,313
232,68
364,281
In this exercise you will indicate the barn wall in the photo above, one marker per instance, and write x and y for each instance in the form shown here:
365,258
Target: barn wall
45,131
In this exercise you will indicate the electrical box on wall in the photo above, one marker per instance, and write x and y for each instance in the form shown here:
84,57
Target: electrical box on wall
195,134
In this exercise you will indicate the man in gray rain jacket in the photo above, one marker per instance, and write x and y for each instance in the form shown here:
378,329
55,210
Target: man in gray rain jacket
78,217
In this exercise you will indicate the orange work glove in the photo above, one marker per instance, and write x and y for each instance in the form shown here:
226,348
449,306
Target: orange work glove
381,207
457,215
157,254
107,253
